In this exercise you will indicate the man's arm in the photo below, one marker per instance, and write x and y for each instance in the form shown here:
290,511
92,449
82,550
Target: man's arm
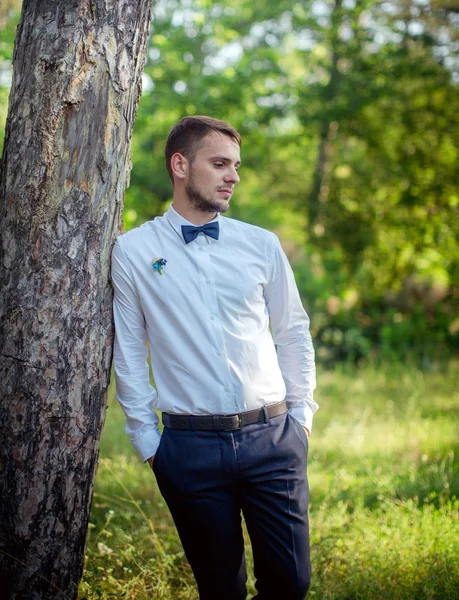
290,329
133,389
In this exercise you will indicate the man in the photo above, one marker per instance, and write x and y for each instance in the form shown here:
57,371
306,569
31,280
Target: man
202,290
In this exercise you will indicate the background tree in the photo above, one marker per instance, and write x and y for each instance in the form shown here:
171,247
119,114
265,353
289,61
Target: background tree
65,166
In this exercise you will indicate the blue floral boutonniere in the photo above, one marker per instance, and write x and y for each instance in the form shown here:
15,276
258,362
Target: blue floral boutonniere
159,264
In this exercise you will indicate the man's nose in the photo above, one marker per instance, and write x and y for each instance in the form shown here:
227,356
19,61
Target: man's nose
232,176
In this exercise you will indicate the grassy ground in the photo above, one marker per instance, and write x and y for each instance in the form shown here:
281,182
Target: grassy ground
384,478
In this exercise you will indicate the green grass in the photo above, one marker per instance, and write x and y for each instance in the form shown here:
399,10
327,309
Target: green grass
384,478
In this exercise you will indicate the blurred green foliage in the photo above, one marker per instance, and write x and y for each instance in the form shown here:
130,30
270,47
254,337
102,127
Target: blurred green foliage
348,112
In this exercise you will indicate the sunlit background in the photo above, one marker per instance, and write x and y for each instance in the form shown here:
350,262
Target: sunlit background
348,112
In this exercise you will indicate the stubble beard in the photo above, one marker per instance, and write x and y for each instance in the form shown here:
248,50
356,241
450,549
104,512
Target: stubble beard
202,203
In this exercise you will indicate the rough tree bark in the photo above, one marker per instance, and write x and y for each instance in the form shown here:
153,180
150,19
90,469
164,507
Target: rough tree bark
66,163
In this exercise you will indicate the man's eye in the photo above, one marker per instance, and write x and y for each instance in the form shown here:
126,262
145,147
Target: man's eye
218,165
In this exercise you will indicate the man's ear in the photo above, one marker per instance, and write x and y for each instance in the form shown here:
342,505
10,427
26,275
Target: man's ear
179,165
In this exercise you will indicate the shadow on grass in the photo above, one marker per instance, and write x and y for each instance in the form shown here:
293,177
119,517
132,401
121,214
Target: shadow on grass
427,483
377,479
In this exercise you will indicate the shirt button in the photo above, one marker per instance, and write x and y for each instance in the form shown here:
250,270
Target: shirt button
207,281
219,353
227,389
212,318
201,248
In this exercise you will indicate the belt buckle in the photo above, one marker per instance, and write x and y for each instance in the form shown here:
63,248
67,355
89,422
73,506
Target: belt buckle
234,426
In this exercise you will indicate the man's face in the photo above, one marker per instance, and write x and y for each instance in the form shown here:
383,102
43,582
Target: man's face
213,173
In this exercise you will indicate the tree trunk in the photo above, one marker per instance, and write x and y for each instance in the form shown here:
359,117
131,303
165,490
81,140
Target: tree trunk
66,164
328,126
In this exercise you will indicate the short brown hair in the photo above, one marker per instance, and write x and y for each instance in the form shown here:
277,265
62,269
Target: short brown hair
186,135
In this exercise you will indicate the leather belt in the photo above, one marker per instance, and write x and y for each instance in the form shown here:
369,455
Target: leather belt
224,422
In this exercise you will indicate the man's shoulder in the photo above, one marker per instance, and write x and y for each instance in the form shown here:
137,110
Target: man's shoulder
140,234
248,230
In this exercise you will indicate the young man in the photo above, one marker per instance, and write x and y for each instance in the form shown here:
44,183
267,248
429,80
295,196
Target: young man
203,290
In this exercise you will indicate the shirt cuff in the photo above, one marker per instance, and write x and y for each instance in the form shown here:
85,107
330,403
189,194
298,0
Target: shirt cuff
303,414
146,443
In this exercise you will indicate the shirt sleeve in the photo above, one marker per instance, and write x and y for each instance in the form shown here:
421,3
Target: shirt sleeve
133,390
290,330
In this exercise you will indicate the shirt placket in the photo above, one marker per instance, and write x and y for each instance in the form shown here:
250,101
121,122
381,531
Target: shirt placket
204,246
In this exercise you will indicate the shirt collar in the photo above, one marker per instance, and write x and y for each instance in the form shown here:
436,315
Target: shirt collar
176,220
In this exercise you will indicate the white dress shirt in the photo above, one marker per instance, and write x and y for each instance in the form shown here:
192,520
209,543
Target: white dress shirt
207,320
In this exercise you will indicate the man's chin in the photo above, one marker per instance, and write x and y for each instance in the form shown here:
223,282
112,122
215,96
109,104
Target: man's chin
220,206
208,205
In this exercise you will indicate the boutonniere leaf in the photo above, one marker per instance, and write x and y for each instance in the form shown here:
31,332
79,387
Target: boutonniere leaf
159,264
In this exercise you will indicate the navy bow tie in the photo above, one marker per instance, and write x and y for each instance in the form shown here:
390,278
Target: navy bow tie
190,232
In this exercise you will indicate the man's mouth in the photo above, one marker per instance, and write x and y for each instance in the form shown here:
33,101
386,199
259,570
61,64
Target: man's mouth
226,192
